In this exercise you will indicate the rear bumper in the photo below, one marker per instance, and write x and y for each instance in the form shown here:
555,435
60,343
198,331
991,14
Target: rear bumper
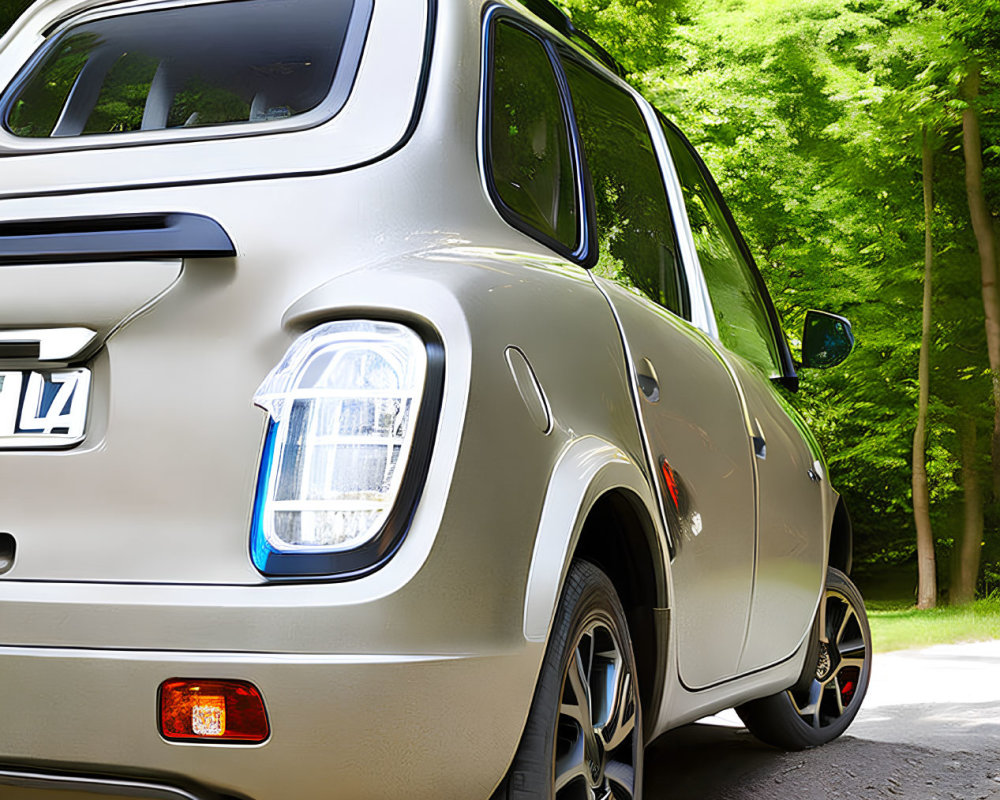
341,725
39,784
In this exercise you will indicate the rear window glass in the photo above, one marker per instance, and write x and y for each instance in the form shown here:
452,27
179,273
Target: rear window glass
189,66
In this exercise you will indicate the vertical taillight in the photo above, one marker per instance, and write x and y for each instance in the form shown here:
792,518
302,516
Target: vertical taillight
343,404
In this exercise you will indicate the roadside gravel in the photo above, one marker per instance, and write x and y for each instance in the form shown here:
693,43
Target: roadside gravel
929,730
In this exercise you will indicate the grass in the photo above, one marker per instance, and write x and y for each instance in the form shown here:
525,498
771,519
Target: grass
897,627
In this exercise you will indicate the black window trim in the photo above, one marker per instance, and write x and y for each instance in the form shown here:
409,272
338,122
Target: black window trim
580,252
789,377
586,252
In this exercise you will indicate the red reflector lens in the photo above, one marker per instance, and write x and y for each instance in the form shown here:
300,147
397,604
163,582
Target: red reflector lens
212,711
671,480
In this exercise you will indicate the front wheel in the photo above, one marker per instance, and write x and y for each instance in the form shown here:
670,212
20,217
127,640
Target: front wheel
817,711
583,737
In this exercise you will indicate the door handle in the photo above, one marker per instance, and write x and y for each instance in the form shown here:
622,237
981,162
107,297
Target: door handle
649,387
759,442
645,375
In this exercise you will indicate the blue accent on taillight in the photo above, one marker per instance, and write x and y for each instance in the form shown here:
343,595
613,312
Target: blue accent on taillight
260,550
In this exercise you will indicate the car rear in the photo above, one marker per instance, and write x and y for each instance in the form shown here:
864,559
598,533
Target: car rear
191,605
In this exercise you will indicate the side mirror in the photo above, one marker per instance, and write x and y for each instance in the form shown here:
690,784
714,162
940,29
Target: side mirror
827,340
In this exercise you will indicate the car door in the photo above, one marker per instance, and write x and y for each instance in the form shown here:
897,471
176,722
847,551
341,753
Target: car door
790,555
688,401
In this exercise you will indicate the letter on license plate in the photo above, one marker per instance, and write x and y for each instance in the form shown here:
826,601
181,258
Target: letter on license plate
43,408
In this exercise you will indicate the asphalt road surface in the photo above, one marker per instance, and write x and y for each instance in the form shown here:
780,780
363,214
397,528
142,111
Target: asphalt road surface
929,730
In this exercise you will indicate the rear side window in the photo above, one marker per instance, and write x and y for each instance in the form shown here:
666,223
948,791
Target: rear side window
530,164
738,301
634,226
181,67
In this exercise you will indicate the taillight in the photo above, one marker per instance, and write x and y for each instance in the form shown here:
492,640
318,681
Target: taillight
344,405
212,711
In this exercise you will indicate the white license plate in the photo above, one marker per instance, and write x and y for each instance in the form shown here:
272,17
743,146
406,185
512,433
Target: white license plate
43,408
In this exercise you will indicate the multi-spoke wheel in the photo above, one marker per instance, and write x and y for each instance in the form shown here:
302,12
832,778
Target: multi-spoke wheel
594,755
819,709
583,738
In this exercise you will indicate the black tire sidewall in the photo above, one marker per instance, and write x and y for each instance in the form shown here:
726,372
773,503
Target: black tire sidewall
588,597
774,720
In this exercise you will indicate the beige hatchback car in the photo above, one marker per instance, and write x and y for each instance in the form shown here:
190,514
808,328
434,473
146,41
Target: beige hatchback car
389,407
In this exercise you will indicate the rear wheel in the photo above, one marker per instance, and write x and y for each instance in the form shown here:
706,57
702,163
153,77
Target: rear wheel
583,737
818,710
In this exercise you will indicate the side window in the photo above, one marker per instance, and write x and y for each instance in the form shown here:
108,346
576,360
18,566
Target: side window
530,162
740,308
634,228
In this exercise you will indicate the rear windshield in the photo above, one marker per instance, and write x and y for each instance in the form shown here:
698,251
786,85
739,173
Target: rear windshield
229,63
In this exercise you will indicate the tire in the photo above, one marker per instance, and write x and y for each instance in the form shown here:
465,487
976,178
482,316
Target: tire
817,711
583,736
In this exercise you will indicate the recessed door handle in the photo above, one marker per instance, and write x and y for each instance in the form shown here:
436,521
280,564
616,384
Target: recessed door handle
759,442
649,387
760,447
645,375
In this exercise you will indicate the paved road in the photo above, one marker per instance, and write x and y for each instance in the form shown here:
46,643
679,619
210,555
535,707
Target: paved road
929,730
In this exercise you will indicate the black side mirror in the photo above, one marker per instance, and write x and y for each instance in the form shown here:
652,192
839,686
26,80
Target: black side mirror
827,340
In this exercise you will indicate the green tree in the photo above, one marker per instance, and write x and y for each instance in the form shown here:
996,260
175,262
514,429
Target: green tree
633,31
812,115
10,10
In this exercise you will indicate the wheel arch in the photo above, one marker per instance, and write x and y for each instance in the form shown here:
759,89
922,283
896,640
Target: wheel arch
619,537
599,507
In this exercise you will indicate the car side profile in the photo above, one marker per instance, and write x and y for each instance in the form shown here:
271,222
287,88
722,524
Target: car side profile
389,407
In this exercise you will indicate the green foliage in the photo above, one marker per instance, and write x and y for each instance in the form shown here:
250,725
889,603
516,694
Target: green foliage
811,115
903,628
633,31
10,10
37,109
200,103
991,579
123,94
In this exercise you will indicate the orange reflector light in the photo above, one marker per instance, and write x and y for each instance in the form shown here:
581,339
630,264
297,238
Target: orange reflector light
212,711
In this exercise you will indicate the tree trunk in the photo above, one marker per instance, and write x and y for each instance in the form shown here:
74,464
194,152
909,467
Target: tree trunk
926,566
981,225
965,566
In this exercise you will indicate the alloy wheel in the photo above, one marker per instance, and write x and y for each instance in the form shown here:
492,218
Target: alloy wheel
839,668
596,737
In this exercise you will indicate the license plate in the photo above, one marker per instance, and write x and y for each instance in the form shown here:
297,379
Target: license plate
43,408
